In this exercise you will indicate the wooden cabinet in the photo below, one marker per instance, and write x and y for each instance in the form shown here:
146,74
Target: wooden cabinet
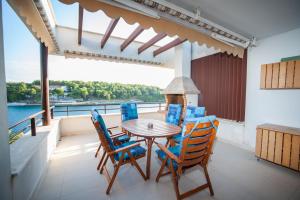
280,75
279,144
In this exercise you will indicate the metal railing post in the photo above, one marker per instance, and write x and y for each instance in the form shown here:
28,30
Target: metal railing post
159,109
33,127
67,111
52,113
104,108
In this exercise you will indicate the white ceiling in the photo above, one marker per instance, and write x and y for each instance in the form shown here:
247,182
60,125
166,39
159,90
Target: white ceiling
258,18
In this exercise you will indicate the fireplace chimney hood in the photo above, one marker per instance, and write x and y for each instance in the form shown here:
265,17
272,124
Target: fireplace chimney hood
181,85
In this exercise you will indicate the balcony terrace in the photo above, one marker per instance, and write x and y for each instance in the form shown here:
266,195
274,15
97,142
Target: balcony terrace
235,172
246,81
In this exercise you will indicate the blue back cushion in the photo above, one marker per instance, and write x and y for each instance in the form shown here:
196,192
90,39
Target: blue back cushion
173,115
96,116
194,112
128,111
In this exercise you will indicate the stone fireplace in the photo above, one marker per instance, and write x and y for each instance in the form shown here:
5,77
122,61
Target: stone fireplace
179,91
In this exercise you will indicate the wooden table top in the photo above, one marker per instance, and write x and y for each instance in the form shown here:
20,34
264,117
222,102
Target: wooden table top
139,127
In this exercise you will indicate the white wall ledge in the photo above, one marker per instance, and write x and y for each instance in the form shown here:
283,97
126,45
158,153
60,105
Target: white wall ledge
29,159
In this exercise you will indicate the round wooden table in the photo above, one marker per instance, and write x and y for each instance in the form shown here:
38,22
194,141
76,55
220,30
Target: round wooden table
139,127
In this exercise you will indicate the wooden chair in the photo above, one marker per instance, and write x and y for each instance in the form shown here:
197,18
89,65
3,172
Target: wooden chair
194,150
119,155
118,138
191,112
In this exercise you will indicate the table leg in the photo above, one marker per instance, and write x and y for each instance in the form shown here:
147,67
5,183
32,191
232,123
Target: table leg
149,150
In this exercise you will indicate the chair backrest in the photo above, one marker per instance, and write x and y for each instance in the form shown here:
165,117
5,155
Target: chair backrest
174,113
198,139
128,111
194,112
103,134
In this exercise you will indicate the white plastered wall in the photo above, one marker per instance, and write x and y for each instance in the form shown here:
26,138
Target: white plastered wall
280,107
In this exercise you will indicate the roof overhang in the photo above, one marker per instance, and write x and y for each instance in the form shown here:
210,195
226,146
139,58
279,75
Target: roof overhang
37,16
161,25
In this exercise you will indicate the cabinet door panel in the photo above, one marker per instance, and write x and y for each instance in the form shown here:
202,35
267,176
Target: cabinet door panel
258,142
275,76
269,76
286,154
295,152
290,74
297,75
282,75
278,148
263,76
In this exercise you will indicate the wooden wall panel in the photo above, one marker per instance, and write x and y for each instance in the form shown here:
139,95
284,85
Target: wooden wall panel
271,146
258,142
282,75
297,75
278,148
290,74
269,76
264,146
221,78
263,76
275,75
295,152
286,154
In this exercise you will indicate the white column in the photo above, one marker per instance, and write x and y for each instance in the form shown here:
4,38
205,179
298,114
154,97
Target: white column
182,66
182,60
5,175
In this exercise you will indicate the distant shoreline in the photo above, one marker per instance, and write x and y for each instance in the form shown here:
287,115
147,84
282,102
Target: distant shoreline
77,103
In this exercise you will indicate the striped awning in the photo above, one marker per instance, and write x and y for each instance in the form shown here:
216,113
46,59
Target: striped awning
161,25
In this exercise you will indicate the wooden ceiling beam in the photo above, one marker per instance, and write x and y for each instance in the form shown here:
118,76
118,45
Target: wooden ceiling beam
131,37
151,42
108,32
80,19
168,46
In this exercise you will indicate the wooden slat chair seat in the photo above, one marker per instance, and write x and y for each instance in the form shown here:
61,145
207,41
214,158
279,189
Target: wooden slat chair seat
191,112
118,137
194,150
119,155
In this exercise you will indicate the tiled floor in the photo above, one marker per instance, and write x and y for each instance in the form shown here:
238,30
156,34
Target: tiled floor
235,174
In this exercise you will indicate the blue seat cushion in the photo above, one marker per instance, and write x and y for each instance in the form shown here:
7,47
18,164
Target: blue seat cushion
123,138
135,151
175,150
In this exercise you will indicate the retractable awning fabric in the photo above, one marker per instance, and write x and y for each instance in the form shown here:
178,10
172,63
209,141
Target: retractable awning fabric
29,12
159,25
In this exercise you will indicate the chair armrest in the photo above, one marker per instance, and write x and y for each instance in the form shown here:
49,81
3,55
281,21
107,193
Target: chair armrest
168,153
111,132
113,127
117,135
124,148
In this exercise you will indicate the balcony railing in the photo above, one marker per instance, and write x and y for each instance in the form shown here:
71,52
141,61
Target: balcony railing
78,109
34,120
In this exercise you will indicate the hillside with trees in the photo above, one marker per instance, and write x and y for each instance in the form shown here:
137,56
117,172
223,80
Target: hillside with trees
82,91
